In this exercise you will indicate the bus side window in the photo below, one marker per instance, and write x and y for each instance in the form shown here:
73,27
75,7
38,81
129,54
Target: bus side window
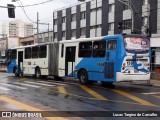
112,45
99,48
27,53
35,52
85,49
14,54
62,50
42,51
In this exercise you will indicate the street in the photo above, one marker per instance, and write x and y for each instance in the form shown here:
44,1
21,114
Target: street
30,94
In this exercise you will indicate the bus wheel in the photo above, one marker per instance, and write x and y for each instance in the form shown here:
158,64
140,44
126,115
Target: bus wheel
83,77
37,73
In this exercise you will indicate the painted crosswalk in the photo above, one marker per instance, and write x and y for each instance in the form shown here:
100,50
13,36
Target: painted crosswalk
13,86
22,85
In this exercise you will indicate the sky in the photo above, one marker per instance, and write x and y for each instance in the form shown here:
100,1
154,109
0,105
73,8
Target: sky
45,11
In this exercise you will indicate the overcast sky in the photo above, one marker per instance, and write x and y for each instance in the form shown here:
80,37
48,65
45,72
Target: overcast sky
45,10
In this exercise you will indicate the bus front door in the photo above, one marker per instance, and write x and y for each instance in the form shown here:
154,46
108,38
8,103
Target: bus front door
70,61
20,61
110,67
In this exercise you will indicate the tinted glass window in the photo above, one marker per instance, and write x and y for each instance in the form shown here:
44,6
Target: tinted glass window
42,51
35,52
85,49
99,48
28,53
112,45
14,54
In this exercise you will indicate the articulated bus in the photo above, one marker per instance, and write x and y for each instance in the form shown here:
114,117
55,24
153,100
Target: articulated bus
107,59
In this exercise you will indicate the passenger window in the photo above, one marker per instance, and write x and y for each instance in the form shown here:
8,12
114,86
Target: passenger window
99,48
85,49
27,53
112,45
62,50
35,52
42,51
14,54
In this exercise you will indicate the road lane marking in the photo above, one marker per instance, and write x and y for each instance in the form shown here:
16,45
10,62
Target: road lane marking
61,89
93,93
151,93
27,107
24,84
13,86
156,96
139,100
6,89
39,83
21,79
51,83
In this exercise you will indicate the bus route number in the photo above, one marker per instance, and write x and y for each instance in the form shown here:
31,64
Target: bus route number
129,63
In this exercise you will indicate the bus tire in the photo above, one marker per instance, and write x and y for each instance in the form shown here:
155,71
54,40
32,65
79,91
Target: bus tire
16,72
38,73
83,77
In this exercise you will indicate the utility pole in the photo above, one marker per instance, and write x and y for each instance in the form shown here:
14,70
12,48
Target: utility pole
96,21
37,27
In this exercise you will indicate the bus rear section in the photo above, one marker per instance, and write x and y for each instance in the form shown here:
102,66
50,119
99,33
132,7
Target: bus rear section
136,62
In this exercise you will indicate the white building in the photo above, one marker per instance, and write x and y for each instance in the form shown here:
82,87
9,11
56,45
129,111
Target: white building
17,28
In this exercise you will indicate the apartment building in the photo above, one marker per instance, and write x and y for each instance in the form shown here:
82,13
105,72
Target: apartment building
102,17
17,28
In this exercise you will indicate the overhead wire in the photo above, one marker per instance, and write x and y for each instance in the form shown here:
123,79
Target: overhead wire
37,3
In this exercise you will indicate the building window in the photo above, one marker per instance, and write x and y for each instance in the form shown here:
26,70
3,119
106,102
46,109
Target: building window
127,24
145,2
110,26
73,17
55,35
126,7
111,8
144,19
73,33
63,34
83,15
63,19
55,21
83,32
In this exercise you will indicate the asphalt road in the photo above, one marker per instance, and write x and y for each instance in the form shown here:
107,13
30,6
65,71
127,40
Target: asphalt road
84,102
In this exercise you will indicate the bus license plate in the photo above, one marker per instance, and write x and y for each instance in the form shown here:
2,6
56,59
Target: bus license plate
136,71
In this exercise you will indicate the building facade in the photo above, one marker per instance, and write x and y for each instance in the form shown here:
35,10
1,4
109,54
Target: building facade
102,17
17,28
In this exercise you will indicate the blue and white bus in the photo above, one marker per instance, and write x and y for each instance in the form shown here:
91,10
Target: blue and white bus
107,59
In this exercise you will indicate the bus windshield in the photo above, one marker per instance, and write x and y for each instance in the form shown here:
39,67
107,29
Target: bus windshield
137,45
